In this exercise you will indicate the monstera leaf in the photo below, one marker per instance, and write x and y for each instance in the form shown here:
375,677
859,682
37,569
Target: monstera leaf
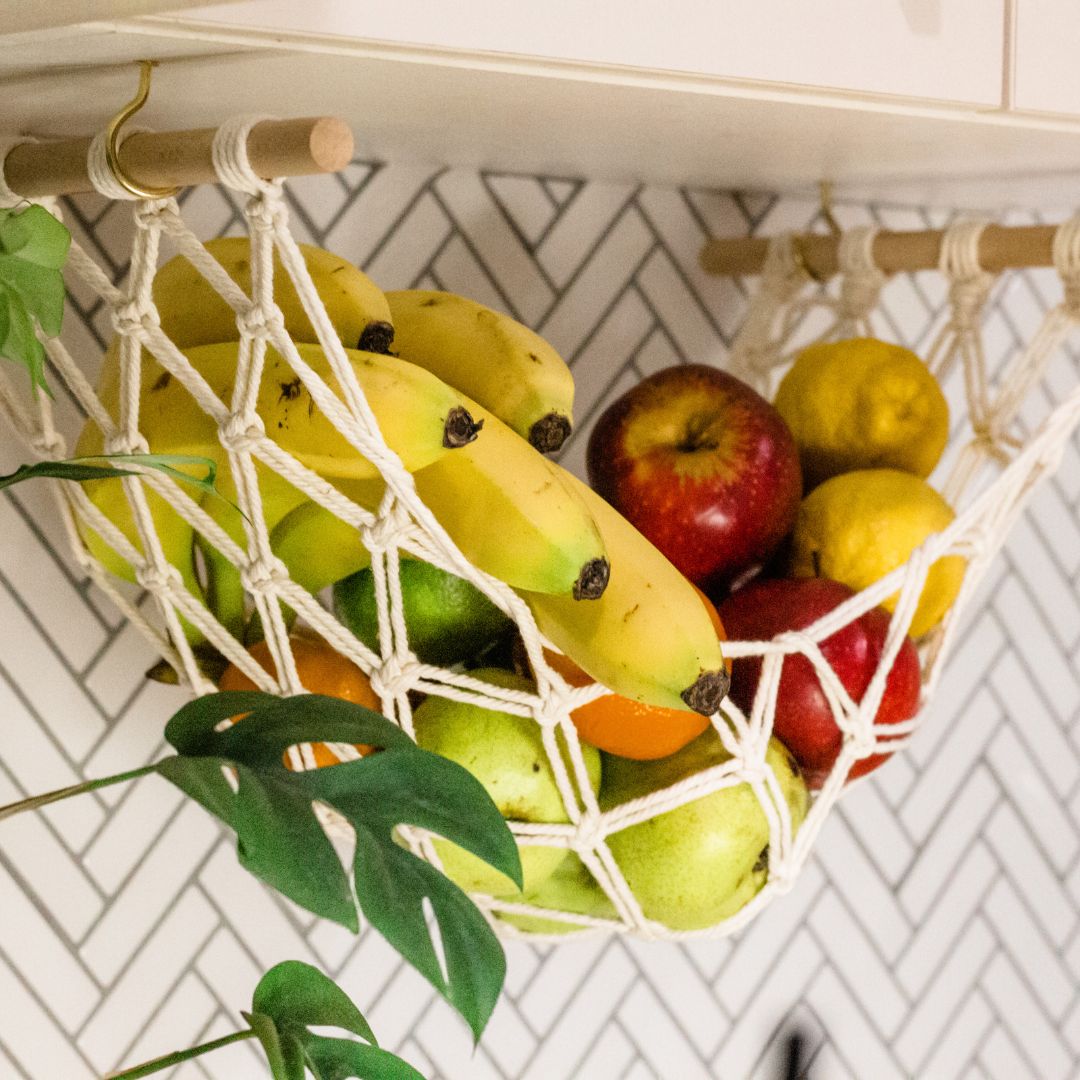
238,774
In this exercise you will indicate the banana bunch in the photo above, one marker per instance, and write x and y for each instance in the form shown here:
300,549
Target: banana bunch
420,416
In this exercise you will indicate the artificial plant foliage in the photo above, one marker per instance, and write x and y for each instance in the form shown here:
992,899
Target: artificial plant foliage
292,998
33,250
238,774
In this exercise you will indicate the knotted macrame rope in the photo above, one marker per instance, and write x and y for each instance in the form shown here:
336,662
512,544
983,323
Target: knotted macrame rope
403,524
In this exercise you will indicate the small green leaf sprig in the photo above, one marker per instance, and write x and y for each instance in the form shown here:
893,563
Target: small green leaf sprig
290,999
33,249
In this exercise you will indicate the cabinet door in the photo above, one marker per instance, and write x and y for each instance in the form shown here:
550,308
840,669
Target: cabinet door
939,49
1047,56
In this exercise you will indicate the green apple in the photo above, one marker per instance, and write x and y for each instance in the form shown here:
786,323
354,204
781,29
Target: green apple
571,888
506,754
698,864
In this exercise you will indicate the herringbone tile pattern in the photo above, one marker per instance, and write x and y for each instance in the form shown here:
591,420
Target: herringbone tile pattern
937,932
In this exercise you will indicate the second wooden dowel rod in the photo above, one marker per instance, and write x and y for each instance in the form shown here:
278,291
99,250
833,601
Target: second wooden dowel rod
314,144
1000,248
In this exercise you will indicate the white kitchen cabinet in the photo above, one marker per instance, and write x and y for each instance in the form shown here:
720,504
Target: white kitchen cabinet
911,100
1047,56
903,47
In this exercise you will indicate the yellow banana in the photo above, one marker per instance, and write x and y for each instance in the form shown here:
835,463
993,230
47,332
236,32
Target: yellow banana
502,365
648,637
193,313
512,515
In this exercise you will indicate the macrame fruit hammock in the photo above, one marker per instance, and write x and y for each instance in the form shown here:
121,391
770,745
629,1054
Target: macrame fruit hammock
595,884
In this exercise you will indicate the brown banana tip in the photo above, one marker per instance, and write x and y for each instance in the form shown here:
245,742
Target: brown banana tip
708,691
549,432
460,428
593,579
376,337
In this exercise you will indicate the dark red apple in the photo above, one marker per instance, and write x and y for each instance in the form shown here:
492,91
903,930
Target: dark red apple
703,466
804,721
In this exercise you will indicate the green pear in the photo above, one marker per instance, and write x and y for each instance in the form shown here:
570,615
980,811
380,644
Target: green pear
698,864
571,888
506,754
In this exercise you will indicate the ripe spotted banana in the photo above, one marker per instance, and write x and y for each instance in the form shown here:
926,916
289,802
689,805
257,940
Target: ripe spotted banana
648,637
193,313
502,365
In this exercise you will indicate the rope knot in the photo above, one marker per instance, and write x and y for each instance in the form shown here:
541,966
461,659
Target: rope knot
133,319
393,677
384,531
48,444
152,214
259,324
127,444
242,431
264,211
264,576
967,296
160,580
589,832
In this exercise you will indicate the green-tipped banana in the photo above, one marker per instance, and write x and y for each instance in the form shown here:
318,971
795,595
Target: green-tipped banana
193,313
649,636
504,366
512,514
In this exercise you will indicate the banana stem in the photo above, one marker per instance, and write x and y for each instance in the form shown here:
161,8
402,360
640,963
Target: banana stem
35,802
177,1056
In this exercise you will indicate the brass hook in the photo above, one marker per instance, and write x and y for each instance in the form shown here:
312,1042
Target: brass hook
798,243
825,197
112,135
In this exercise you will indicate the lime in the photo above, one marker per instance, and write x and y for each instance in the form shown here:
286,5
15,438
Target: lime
448,619
863,404
858,527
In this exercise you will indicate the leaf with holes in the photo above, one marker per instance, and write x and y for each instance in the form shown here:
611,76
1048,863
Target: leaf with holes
293,997
281,841
33,249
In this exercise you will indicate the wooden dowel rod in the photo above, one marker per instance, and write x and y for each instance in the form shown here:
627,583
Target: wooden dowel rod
314,144
1000,248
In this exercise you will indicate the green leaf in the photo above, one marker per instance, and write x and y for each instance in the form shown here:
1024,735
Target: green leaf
342,1059
280,840
297,995
33,249
391,883
81,468
37,236
293,997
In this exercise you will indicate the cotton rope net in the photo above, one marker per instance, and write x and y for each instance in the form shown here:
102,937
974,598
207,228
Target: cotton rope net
404,525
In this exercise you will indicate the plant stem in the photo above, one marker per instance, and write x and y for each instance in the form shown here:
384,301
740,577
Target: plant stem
36,801
149,1067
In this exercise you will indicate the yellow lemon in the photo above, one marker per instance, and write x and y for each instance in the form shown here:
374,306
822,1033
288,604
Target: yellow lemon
863,404
857,527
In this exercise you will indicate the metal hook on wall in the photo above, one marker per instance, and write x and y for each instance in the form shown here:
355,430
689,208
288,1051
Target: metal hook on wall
112,138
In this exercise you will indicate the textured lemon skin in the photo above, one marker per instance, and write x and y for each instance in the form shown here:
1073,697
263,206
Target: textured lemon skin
857,527
861,404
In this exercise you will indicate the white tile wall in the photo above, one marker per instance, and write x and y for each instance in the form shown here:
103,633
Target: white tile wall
935,935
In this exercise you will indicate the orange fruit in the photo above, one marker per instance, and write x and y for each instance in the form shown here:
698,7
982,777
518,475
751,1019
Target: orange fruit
629,728
322,671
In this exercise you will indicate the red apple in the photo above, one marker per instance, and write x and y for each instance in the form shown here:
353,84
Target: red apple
703,466
804,721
